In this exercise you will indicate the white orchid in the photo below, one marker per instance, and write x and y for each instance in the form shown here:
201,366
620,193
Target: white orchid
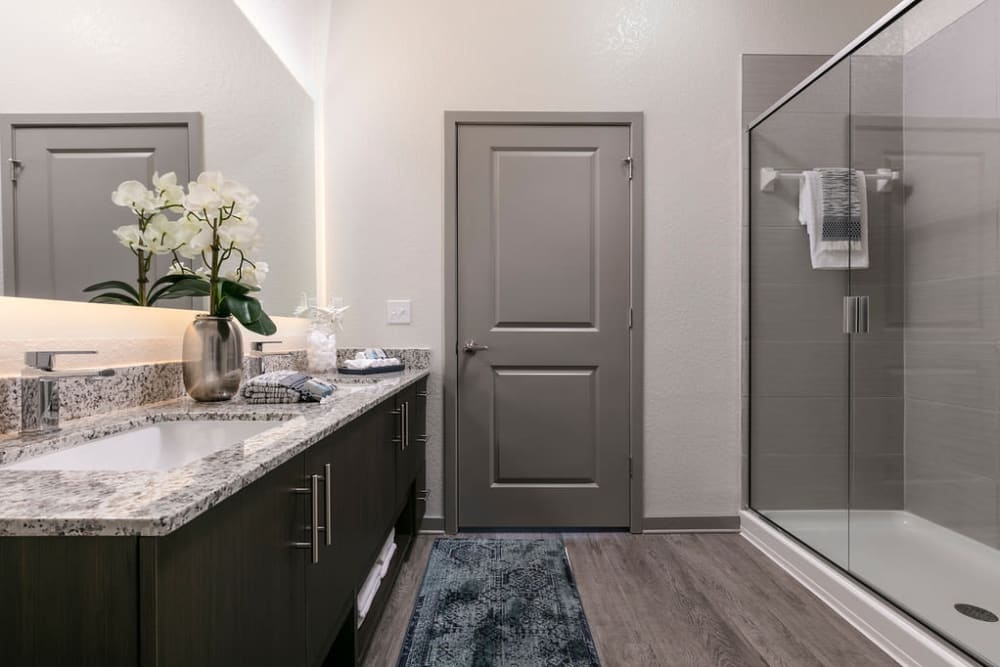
130,236
199,240
210,179
163,236
238,196
203,201
215,226
135,196
177,268
242,235
248,274
169,194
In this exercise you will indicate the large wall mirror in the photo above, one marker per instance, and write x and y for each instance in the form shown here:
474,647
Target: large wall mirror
105,91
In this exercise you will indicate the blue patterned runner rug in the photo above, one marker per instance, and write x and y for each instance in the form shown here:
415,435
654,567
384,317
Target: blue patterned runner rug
486,602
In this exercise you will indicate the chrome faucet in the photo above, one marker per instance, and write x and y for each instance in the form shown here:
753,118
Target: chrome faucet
40,389
255,359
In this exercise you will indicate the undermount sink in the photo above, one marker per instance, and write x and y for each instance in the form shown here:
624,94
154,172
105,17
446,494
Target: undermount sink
162,446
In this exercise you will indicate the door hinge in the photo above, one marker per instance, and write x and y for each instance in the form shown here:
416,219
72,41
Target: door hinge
630,467
15,166
629,164
631,318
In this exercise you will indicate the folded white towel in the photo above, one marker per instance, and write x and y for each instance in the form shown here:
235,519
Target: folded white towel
836,253
367,593
361,364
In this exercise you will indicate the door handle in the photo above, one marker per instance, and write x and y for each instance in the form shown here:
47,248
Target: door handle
855,314
471,347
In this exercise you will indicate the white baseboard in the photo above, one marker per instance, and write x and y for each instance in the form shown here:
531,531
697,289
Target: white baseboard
904,640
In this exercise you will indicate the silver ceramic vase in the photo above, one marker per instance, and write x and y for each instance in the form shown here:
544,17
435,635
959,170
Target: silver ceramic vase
213,358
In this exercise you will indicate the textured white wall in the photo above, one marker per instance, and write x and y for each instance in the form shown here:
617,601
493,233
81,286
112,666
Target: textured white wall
395,66
59,56
297,31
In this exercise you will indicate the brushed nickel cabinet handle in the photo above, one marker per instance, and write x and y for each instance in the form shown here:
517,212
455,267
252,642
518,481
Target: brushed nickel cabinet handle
314,528
406,426
315,518
329,505
398,439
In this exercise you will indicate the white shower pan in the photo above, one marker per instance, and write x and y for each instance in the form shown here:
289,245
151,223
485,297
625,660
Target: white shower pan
923,567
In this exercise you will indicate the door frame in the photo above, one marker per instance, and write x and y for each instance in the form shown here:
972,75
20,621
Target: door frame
11,122
452,121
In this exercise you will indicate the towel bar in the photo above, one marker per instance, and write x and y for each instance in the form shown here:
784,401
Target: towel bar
884,178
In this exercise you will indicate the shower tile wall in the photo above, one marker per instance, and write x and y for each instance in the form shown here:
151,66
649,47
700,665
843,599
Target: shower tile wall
799,362
877,365
952,269
799,416
765,78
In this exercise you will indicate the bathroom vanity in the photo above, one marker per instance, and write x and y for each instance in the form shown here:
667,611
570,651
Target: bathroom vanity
252,555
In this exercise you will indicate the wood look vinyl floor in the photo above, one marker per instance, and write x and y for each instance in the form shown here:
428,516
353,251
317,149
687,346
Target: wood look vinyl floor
675,600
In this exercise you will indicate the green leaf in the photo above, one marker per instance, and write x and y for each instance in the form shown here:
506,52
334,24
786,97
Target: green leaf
114,284
264,326
115,297
186,286
244,308
170,279
250,314
232,287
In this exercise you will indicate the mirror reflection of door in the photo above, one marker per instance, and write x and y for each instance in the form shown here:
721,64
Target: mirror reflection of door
58,238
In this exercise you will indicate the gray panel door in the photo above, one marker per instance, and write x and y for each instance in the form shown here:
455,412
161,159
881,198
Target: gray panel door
543,283
63,214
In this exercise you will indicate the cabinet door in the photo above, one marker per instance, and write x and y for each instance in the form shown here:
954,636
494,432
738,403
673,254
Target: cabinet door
330,581
412,403
228,588
377,472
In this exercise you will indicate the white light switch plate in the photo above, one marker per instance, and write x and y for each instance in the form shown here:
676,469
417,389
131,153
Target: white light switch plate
397,311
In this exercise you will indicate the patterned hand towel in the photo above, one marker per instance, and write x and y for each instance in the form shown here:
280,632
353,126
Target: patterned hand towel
842,213
277,387
833,207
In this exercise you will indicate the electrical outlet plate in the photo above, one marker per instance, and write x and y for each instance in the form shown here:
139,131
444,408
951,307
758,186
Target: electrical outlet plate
397,311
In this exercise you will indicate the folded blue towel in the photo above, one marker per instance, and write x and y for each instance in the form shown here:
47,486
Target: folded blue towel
285,387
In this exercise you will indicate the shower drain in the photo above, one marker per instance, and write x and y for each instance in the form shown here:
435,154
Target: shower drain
978,613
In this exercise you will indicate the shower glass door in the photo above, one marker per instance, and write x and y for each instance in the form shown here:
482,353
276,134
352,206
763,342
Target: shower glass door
925,377
798,351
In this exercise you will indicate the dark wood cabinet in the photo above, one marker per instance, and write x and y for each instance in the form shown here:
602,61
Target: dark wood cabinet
411,441
239,585
332,575
68,601
229,587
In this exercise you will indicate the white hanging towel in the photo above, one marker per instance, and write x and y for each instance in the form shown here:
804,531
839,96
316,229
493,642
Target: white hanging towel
833,207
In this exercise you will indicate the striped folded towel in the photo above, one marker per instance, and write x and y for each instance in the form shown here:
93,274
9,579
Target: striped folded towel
277,387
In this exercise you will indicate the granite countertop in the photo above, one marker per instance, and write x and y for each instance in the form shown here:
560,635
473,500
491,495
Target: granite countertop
87,502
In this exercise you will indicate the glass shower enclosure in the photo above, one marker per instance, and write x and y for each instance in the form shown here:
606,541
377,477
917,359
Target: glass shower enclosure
874,316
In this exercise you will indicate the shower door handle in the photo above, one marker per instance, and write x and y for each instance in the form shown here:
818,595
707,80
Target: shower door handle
855,314
862,315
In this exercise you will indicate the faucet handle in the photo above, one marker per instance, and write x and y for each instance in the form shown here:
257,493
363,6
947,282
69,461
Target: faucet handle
258,345
43,360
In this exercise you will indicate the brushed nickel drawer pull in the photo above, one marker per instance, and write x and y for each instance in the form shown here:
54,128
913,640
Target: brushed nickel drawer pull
329,505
